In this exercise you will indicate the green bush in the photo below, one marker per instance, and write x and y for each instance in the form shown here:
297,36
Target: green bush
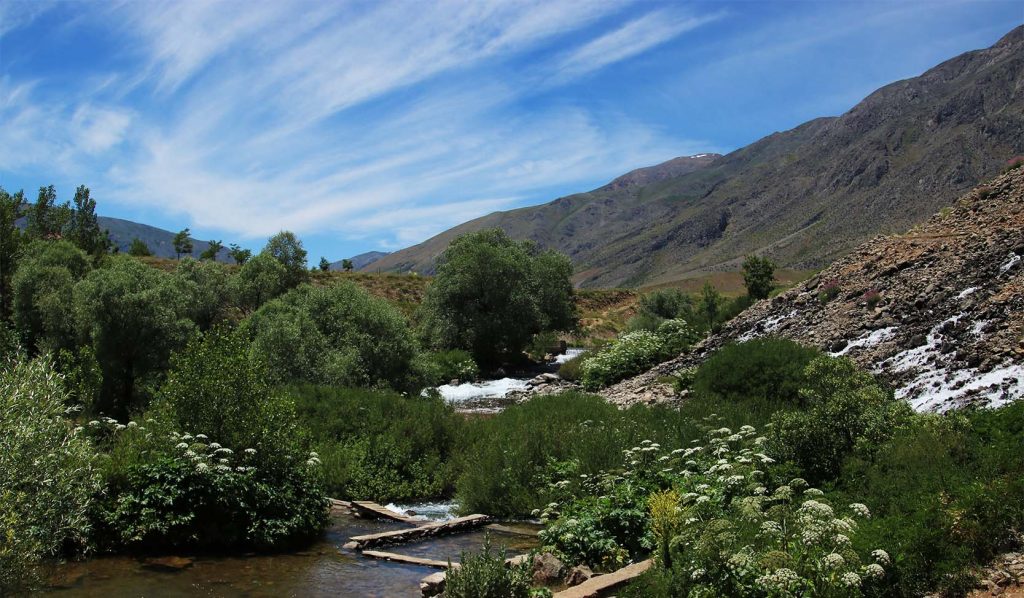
572,370
47,474
339,335
678,336
631,354
441,367
42,288
765,368
485,575
379,445
844,409
181,491
217,463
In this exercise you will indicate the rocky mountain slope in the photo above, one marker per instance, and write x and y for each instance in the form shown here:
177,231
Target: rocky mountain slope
804,197
948,326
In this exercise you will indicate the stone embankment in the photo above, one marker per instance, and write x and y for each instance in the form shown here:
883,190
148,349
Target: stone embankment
937,311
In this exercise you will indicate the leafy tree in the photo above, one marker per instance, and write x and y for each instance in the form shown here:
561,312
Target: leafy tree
346,265
287,249
214,388
12,241
492,294
83,228
134,316
138,248
324,264
340,335
42,289
210,253
241,256
259,280
182,243
205,284
45,218
47,474
710,304
758,276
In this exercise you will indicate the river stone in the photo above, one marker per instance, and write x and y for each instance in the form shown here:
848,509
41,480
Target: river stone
168,563
546,568
578,575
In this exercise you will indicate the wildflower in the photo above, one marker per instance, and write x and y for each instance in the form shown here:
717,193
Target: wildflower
119,427
813,492
202,437
760,490
881,556
202,467
132,424
842,540
181,445
833,561
697,574
850,579
874,571
860,510
250,451
771,528
222,461
213,445
225,451
94,423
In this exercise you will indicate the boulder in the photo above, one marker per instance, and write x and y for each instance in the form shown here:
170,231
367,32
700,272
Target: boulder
546,568
578,575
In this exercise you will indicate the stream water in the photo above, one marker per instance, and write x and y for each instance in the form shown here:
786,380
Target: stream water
488,396
323,569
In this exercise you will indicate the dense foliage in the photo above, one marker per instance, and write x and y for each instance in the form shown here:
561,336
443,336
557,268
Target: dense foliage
47,473
758,276
485,575
635,352
339,335
492,294
379,445
217,462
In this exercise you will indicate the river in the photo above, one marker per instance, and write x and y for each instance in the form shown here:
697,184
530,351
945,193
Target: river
323,569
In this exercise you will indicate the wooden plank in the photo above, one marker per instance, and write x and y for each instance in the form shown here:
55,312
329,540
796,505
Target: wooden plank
409,560
418,533
595,586
512,530
371,509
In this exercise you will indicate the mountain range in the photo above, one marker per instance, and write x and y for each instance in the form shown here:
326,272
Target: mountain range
803,197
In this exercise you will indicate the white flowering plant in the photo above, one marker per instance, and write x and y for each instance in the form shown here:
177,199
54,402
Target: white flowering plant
740,536
165,489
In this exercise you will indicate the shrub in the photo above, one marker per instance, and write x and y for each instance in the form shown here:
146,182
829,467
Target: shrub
829,290
771,369
678,336
572,370
1013,163
485,575
665,304
631,354
441,367
844,409
644,321
379,445
871,298
985,192
167,490
47,473
42,288
259,280
338,335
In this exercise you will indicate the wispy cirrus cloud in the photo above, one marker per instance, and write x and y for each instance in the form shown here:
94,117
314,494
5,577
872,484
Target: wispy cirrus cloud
633,38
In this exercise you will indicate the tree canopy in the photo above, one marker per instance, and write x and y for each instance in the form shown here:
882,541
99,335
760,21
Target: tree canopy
491,294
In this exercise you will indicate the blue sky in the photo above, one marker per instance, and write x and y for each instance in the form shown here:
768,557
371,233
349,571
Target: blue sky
374,125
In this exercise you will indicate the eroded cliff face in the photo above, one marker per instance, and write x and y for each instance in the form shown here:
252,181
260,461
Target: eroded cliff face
938,311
